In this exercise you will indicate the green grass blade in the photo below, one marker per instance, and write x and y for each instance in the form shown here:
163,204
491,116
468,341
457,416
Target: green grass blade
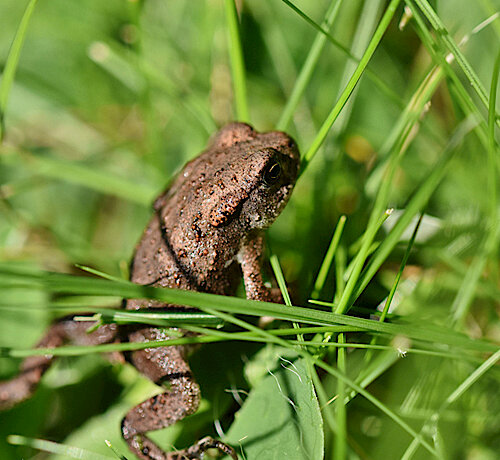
439,53
442,33
400,271
400,137
471,379
237,62
419,438
115,451
415,205
275,264
340,270
215,335
56,448
465,294
325,128
369,73
327,260
278,273
309,64
340,446
457,89
11,64
395,285
359,262
59,283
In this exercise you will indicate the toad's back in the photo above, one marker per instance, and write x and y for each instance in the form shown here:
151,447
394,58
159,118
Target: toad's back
213,207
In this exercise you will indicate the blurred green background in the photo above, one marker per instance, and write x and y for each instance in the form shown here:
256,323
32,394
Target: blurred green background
112,98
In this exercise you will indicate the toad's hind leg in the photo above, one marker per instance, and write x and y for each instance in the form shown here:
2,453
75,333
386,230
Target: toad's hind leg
164,365
32,369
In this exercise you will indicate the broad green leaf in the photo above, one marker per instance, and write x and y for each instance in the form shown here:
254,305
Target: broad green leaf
281,417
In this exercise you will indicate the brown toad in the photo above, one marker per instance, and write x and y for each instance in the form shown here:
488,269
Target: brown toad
205,232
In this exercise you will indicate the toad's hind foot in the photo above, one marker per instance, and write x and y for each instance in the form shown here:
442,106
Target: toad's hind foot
196,451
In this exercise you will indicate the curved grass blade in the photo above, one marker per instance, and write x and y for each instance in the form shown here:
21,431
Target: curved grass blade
343,304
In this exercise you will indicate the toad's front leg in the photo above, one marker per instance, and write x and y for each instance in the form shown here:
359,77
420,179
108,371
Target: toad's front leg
165,365
250,258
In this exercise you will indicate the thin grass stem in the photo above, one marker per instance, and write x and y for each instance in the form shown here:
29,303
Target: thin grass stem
370,50
11,63
237,62
309,65
327,260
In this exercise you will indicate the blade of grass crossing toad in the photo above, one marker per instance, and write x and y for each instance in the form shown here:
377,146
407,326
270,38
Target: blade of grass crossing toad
12,62
308,67
465,294
214,335
56,448
325,128
327,261
61,283
237,63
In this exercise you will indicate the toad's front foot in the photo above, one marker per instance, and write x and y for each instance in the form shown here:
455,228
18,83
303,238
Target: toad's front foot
196,451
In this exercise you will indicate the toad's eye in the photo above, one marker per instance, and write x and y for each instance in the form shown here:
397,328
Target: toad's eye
271,173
